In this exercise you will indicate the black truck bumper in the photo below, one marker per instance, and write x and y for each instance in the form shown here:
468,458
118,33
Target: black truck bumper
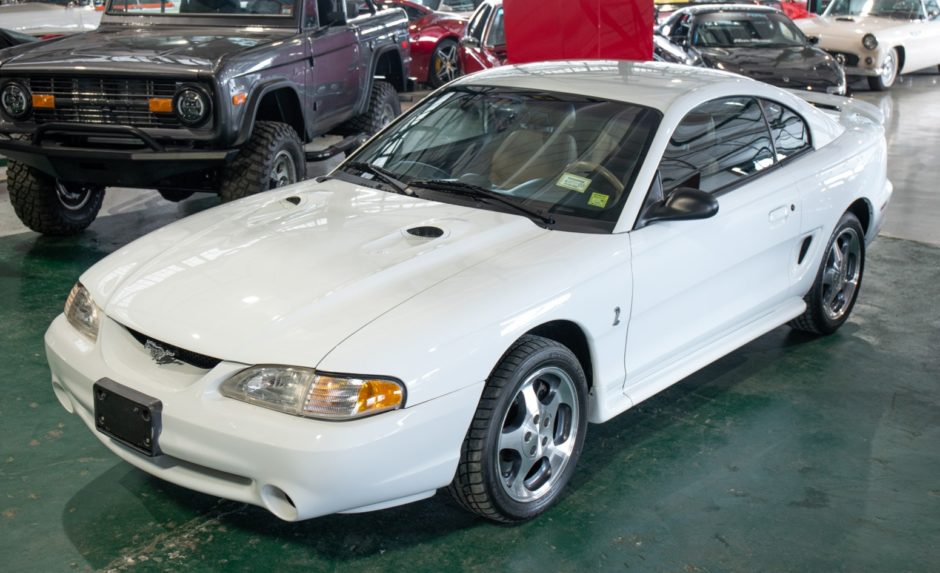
81,154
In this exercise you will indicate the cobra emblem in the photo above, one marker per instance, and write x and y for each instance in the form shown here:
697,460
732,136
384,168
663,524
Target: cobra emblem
161,355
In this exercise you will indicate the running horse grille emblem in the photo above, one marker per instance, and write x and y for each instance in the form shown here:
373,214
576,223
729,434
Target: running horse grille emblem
161,355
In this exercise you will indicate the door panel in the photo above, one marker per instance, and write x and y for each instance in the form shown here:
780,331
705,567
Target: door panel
334,74
697,280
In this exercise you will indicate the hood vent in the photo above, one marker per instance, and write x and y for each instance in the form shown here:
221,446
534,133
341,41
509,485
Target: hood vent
426,232
845,19
293,199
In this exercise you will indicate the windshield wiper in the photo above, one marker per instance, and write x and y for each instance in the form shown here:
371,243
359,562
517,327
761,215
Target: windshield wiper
481,194
383,175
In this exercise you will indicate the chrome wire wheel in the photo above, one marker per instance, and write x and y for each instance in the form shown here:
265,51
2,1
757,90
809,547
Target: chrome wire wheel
538,436
73,197
841,273
446,66
283,171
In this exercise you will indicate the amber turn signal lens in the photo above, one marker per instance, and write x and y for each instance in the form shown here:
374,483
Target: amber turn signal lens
161,105
43,101
378,395
239,98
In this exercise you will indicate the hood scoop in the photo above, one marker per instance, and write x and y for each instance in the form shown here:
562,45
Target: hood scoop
845,19
426,232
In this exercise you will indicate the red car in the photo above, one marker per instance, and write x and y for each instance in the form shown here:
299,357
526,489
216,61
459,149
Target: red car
483,45
434,41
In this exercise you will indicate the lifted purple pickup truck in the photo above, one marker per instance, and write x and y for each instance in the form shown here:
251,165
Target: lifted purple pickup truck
191,95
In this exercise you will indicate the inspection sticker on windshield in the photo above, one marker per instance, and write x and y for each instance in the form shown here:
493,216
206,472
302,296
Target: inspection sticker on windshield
573,182
598,200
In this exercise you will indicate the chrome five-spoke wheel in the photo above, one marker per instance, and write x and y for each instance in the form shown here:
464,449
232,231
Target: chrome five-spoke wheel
527,434
537,436
831,298
841,273
284,170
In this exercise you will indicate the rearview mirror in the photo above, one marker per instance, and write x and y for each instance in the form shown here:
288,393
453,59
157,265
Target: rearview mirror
682,205
813,40
470,42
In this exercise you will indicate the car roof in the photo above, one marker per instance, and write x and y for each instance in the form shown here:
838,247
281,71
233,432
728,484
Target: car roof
652,84
714,8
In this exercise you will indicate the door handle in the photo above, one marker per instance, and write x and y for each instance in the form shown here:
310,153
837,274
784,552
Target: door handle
780,213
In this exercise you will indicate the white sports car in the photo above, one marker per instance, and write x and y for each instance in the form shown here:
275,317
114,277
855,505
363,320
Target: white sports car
879,39
529,249
48,18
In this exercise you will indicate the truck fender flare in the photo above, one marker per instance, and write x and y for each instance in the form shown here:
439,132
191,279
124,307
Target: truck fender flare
254,102
373,67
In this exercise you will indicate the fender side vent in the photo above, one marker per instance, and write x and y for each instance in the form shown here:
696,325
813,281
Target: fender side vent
426,232
804,248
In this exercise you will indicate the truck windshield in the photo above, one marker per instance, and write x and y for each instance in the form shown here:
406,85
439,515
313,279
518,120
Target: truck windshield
203,7
568,158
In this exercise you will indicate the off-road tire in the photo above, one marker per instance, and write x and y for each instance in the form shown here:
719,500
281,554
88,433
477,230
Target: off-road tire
38,204
475,486
251,170
383,108
175,195
814,319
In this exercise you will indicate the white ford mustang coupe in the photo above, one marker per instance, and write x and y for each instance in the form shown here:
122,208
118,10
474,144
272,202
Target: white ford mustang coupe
529,249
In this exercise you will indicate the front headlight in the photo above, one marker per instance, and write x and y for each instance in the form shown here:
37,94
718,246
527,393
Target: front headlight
15,100
304,392
869,41
81,312
191,105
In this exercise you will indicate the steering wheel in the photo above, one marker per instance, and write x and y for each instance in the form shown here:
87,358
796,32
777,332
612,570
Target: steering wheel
426,170
592,167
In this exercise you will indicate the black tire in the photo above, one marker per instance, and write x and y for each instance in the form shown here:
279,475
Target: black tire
257,165
444,65
383,108
48,206
827,304
881,83
485,466
175,195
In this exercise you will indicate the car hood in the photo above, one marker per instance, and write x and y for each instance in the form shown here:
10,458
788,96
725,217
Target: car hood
266,281
156,49
847,27
780,66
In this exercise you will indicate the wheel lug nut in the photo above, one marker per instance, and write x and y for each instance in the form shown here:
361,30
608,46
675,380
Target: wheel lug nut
535,419
528,436
532,451
545,422
544,440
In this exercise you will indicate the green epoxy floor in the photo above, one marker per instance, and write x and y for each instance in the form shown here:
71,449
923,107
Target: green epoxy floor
791,454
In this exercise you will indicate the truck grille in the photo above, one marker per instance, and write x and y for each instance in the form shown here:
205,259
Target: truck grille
109,101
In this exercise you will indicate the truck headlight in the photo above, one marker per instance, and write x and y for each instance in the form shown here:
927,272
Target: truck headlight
15,100
191,105
81,311
304,392
869,41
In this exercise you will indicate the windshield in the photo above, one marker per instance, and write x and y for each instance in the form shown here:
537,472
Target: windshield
570,158
750,29
203,7
898,9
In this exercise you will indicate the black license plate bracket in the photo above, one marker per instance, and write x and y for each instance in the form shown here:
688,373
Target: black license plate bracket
128,416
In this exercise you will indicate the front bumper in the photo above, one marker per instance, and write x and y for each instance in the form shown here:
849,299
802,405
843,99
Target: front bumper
295,467
108,155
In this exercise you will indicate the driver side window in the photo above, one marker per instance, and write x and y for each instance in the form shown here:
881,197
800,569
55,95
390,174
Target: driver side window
716,145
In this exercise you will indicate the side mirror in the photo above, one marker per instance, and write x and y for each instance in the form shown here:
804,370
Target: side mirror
813,40
682,205
469,42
